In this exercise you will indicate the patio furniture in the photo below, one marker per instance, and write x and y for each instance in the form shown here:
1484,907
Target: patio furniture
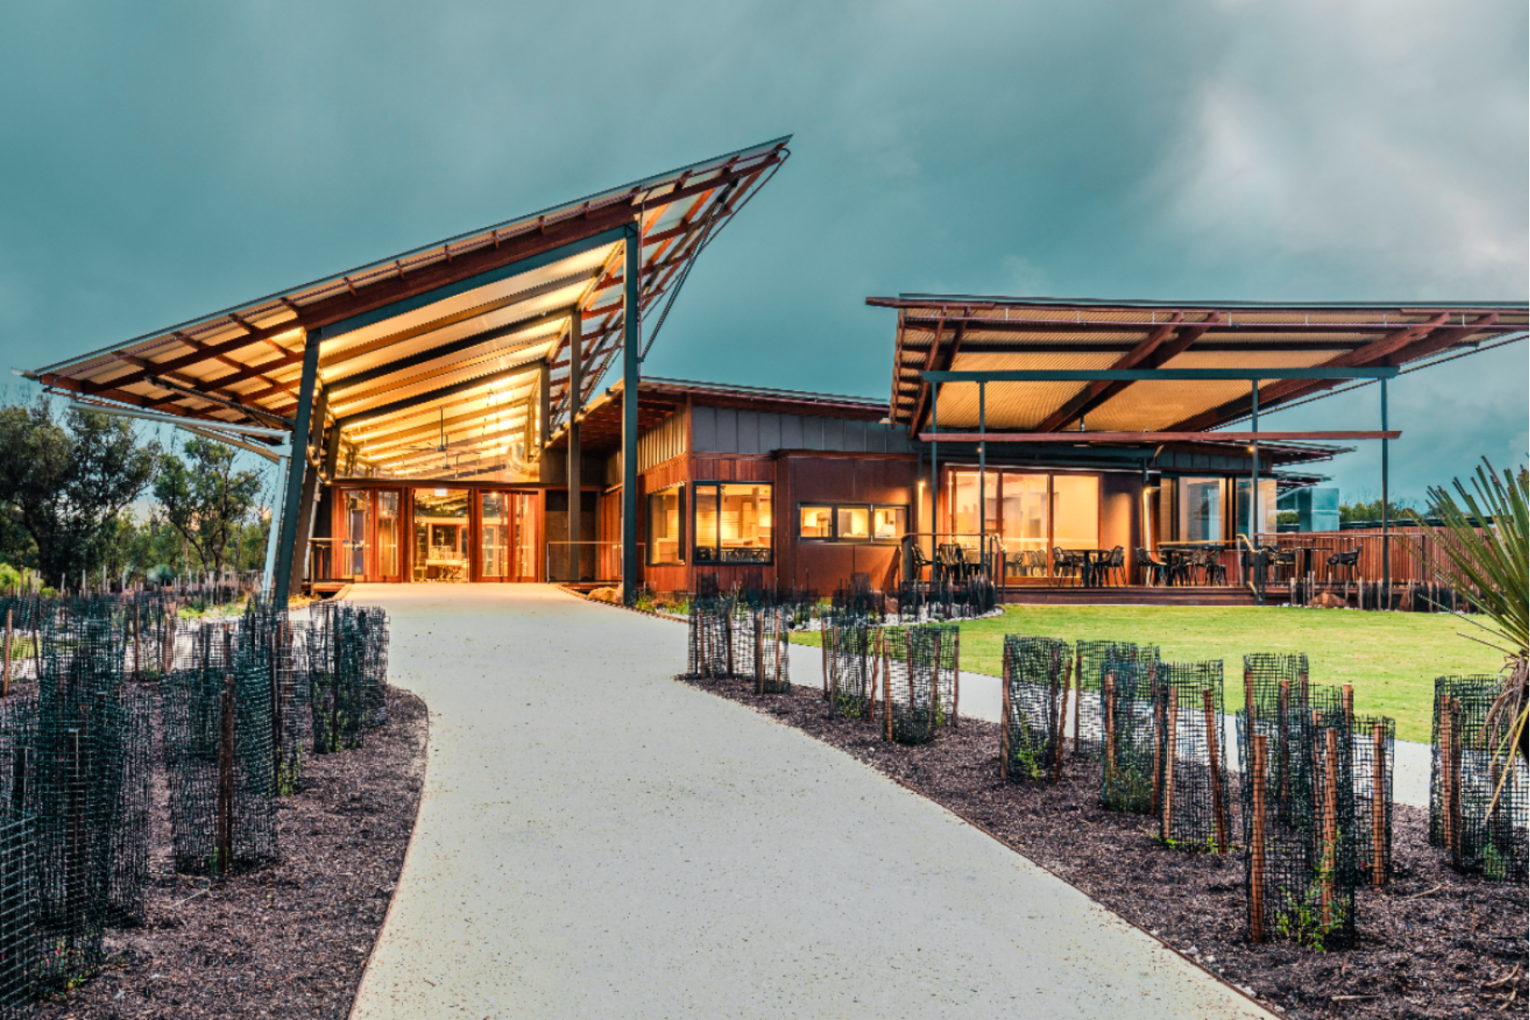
1346,561
1153,571
1115,565
1209,563
1282,564
949,562
918,561
1064,564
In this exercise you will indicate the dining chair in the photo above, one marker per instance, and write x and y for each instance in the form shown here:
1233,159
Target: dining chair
1152,571
1116,565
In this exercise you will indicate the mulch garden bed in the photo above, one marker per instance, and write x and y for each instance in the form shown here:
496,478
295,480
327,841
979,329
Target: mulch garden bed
288,941
1433,944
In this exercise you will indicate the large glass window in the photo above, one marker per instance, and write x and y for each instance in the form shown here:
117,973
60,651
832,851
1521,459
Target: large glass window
1200,509
387,534
666,544
1075,511
1265,515
733,522
441,547
1025,521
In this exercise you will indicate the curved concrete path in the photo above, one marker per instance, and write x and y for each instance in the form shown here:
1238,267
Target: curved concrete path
597,840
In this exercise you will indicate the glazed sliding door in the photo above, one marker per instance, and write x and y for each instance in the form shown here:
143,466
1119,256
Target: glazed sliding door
494,536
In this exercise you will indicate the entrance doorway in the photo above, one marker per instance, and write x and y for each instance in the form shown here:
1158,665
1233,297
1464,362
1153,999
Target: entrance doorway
369,535
507,536
442,547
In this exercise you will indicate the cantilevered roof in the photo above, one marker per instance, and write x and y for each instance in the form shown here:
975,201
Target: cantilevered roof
965,333
449,338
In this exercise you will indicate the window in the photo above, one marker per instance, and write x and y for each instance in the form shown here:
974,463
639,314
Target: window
852,522
666,545
1200,509
888,523
733,522
1075,511
817,522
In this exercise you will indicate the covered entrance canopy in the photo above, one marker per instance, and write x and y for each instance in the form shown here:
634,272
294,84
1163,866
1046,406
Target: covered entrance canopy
455,360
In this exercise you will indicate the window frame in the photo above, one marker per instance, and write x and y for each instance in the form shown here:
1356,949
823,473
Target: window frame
681,540
712,555
834,509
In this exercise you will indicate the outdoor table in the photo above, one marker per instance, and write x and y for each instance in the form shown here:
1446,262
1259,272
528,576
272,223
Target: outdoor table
1095,562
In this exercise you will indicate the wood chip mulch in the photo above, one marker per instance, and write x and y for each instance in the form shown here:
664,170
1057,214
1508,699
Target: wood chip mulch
288,941
1433,944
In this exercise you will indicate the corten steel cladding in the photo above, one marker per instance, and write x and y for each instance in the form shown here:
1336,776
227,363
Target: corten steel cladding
853,662
1129,735
18,915
1088,676
1300,868
921,681
1037,675
1479,792
1190,791
218,756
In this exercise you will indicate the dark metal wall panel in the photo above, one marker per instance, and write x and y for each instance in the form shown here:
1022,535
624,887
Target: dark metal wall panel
704,429
735,430
665,441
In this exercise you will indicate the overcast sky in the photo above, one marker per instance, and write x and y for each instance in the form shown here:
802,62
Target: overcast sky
162,161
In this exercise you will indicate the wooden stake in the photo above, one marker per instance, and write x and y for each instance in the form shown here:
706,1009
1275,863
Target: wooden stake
1057,746
1008,721
1110,725
1218,809
824,634
1157,800
759,654
5,681
1349,707
1378,805
956,675
1256,851
1330,822
224,850
1169,754
1455,781
1078,693
1283,748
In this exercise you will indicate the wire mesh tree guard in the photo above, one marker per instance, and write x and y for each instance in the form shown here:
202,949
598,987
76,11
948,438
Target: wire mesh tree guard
1037,674
1190,793
1129,735
852,666
219,756
921,681
1300,868
1090,658
1479,791
18,914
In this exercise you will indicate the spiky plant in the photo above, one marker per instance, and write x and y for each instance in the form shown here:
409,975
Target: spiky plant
1486,559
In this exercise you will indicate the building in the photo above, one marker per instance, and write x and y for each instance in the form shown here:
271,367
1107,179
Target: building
438,414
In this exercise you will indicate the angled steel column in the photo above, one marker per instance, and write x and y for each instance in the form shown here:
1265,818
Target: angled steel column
982,470
575,401
310,495
281,586
934,481
632,338
1254,556
274,533
544,406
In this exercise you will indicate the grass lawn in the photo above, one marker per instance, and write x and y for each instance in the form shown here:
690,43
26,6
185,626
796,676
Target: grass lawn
1391,658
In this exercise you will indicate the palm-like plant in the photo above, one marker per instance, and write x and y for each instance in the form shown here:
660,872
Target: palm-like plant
1486,560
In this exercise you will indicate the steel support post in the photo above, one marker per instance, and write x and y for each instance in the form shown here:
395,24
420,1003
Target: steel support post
310,495
934,481
1386,510
631,340
544,407
575,403
297,465
1253,496
273,534
982,471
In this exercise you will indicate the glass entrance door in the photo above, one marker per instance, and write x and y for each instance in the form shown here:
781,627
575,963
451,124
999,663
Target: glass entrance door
493,536
387,536
442,550
356,506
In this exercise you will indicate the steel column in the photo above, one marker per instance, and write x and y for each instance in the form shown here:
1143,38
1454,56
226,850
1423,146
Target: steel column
575,403
632,326
982,470
310,496
297,465
1386,510
934,481
273,533
1254,556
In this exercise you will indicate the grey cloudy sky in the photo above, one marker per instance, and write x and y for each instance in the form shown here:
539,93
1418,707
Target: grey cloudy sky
160,161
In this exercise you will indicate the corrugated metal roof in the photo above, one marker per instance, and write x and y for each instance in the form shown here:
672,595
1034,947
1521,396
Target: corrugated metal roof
460,327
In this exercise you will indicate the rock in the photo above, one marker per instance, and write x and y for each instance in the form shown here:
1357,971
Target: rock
1327,600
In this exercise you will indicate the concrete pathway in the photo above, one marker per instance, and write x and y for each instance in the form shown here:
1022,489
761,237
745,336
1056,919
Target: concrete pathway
597,840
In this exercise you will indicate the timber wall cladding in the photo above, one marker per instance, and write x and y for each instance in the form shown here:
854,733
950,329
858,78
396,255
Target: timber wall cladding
809,479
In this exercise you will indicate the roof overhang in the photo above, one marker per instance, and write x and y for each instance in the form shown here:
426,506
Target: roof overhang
1154,366
433,359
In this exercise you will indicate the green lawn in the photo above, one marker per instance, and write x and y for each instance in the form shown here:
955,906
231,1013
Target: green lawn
1391,658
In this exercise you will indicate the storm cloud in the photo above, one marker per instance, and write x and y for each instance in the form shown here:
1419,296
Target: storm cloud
162,162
